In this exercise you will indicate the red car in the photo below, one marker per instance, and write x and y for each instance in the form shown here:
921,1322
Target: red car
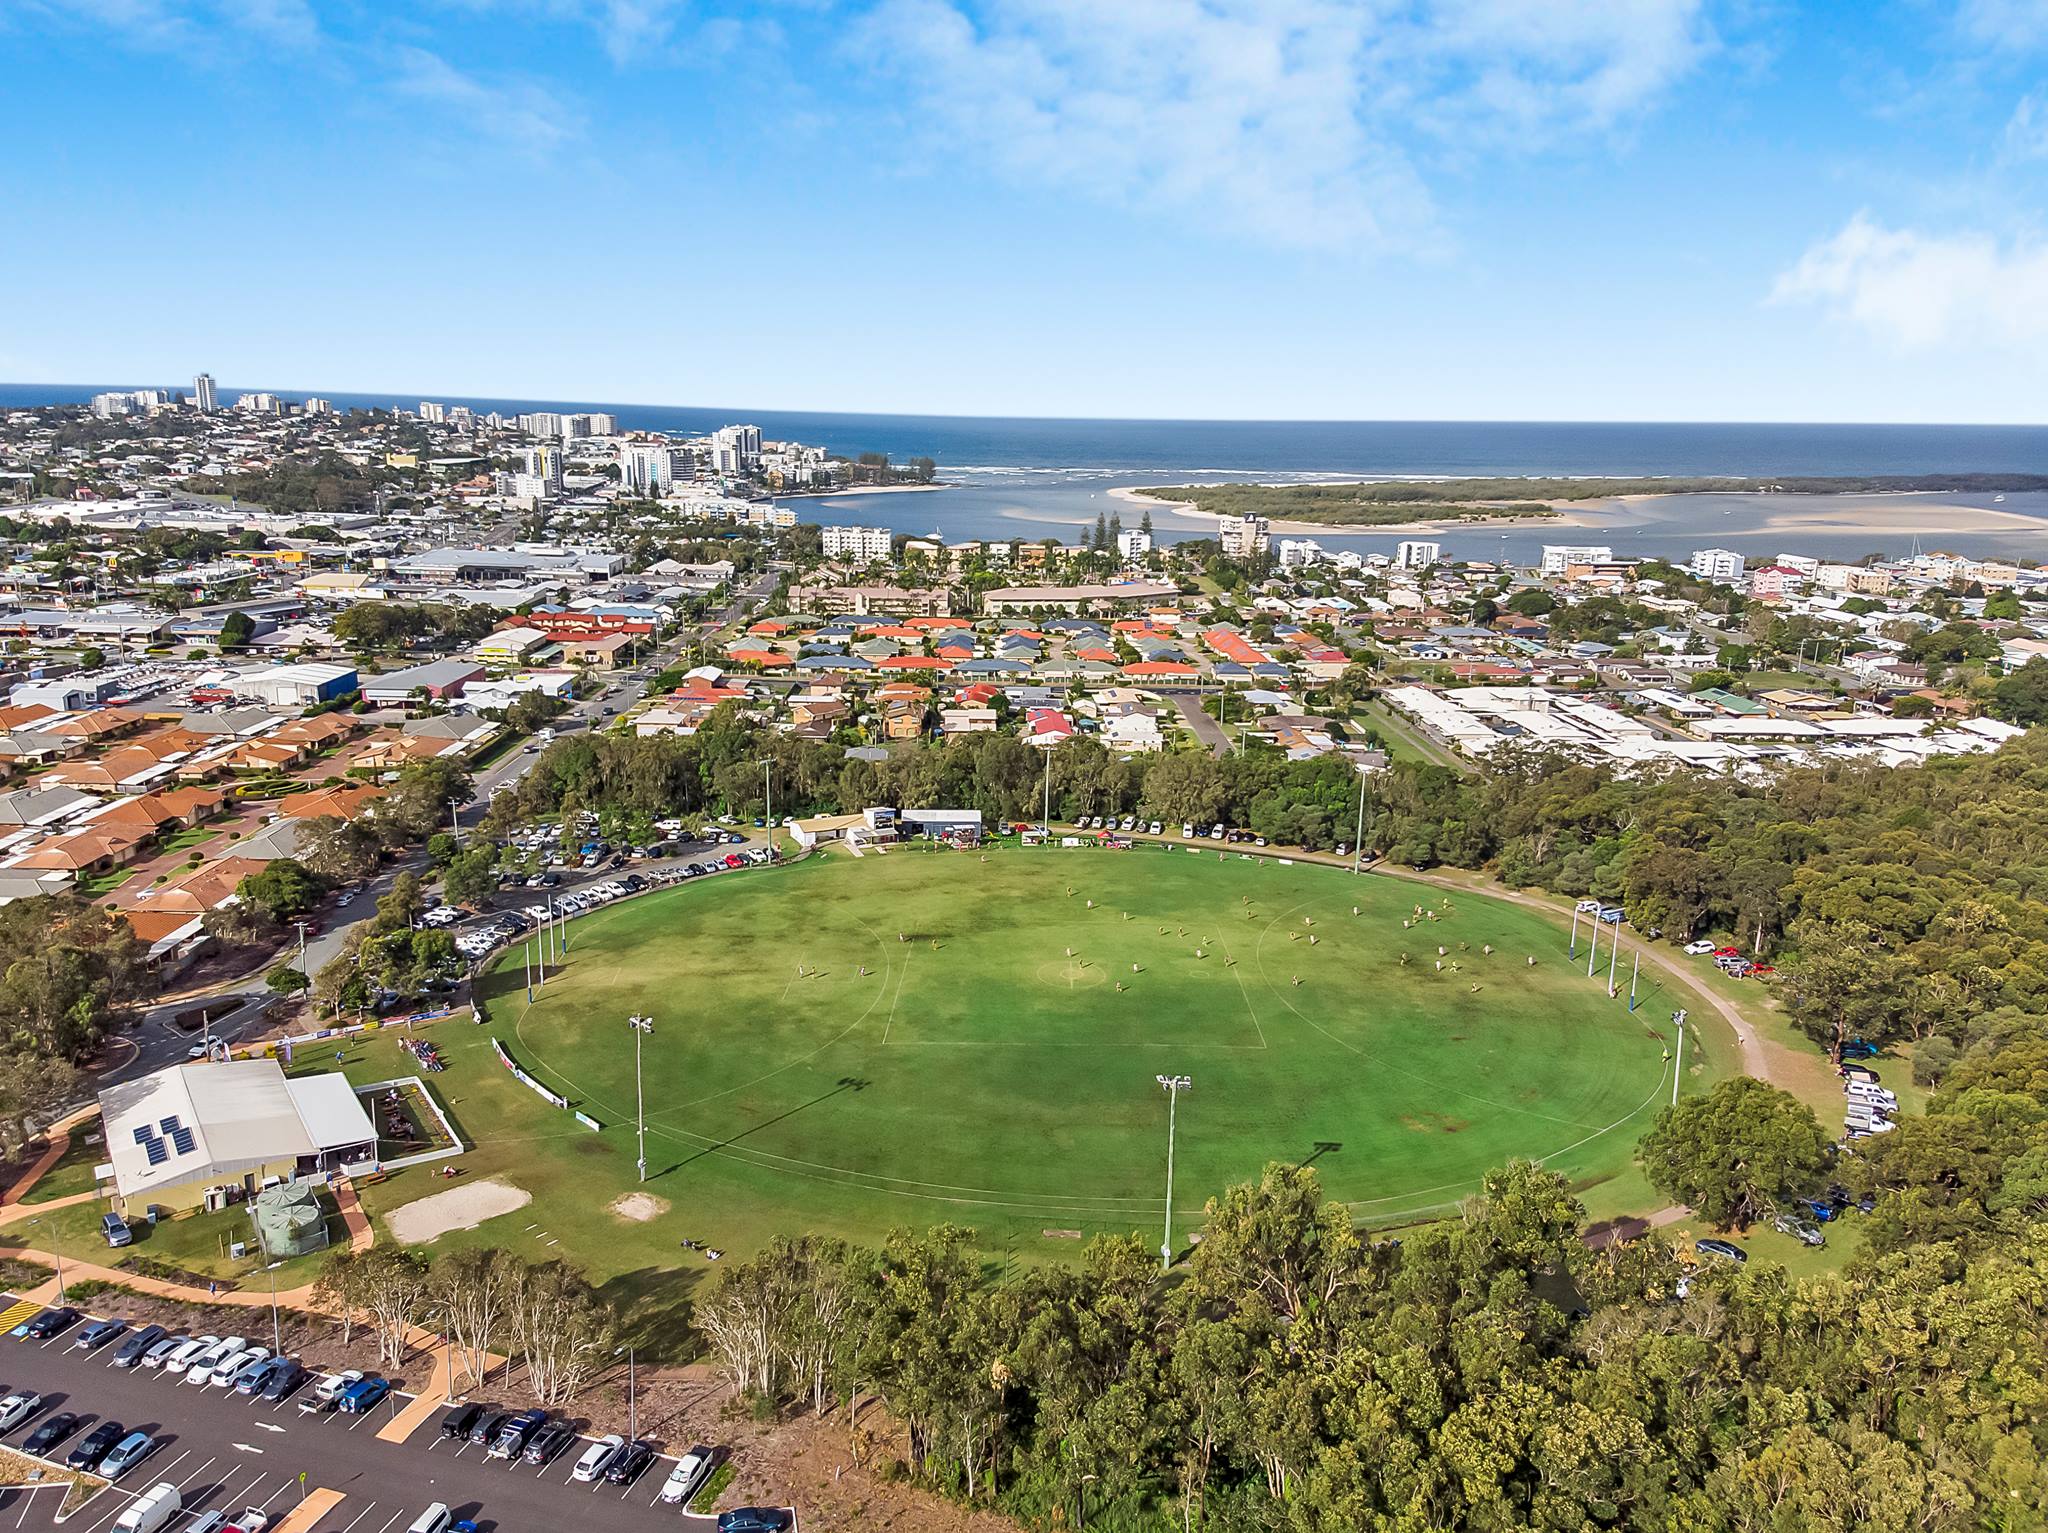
1727,952
732,860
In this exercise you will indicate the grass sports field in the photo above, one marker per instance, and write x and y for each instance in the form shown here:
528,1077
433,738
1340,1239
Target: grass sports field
849,1044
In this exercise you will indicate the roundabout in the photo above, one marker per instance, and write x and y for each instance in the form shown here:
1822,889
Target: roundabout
925,1036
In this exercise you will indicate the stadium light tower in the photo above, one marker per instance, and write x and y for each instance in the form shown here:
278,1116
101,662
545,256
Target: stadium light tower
1175,1085
768,798
1358,841
641,1026
1678,1064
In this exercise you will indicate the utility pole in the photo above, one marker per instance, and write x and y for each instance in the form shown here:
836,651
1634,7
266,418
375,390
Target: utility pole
1175,1085
1678,1066
1593,951
768,798
1048,795
641,1026
301,925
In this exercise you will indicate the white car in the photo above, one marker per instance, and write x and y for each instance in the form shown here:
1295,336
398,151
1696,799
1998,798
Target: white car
204,1366
324,1395
1698,949
161,1353
688,1474
17,1408
227,1372
596,1457
181,1357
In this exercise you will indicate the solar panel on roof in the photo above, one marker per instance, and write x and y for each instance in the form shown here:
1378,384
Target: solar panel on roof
182,1141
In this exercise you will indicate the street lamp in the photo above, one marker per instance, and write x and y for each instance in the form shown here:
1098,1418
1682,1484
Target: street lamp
641,1026
61,1297
768,798
1678,1064
1175,1085
632,1394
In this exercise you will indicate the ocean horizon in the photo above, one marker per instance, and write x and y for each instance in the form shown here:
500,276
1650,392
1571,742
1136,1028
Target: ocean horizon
1208,448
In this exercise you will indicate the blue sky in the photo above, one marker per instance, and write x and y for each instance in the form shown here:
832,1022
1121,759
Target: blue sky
1363,209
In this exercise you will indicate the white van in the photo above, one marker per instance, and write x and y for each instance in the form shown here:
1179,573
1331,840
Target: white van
435,1519
150,1510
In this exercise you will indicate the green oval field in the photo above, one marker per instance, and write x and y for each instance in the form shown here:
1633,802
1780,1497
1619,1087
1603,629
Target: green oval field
849,1043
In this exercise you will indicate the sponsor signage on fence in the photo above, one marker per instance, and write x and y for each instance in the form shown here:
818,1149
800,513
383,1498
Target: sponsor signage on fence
526,1080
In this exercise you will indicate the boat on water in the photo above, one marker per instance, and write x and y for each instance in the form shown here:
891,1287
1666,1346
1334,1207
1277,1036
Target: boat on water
1998,500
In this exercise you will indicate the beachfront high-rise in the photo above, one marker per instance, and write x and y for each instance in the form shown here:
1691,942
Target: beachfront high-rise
205,398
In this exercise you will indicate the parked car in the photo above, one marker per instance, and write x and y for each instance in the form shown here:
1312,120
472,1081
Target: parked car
755,1519
484,1428
1802,1230
164,1350
226,1373
690,1472
1698,949
597,1458
131,1351
252,1379
1722,1248
53,1431
549,1441
18,1407
328,1392
509,1441
456,1425
182,1358
97,1335
200,1370
126,1454
287,1376
115,1229
629,1463
48,1323
363,1395
95,1446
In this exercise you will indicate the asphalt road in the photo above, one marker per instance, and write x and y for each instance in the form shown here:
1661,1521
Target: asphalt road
225,1451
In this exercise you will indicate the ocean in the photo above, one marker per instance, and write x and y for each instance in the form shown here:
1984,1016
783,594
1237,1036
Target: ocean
1046,477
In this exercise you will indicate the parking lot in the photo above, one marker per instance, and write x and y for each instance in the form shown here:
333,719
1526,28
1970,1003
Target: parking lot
226,1451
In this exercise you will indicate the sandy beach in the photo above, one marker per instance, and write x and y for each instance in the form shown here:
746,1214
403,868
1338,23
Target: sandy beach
1792,515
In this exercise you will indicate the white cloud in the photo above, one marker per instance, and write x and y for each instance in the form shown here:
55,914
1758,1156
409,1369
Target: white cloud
1297,121
2026,131
2004,24
1915,291
518,113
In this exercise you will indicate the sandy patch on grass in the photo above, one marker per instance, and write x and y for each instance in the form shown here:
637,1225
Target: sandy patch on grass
640,1207
459,1208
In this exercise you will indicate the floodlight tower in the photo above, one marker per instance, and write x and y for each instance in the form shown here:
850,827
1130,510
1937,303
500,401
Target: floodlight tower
641,1026
1174,1086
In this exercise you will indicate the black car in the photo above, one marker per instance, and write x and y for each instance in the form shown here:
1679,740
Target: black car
53,1431
129,1353
628,1463
488,1427
93,1447
285,1376
460,1421
1723,1248
755,1519
49,1323
547,1442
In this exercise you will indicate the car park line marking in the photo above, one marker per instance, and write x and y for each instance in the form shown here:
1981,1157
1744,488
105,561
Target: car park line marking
361,1515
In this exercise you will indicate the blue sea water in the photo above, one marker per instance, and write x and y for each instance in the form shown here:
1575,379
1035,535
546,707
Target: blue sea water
1300,447
1028,477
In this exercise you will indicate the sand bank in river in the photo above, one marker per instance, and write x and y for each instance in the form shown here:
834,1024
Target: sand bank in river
1791,515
